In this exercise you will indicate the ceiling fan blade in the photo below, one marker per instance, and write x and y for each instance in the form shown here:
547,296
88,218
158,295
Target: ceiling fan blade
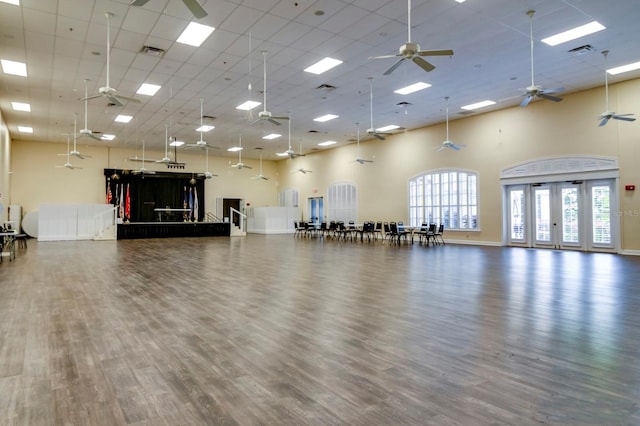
138,2
624,117
526,100
93,136
281,118
440,148
549,97
195,8
444,52
115,101
427,66
272,121
378,136
384,56
90,97
394,66
128,99
555,90
604,121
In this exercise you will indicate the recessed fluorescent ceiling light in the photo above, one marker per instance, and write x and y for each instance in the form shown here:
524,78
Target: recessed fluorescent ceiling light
327,143
271,136
195,34
176,143
123,118
282,154
234,149
324,65
581,31
461,1
25,129
205,128
387,128
106,137
148,89
412,88
16,2
248,105
13,67
21,106
624,68
325,117
478,105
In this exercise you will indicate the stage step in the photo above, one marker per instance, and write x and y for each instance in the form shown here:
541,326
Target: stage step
237,232
109,234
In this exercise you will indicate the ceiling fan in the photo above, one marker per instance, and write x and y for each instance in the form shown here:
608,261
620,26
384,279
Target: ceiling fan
372,130
85,131
108,91
240,165
359,159
192,5
207,174
290,152
68,164
166,159
142,170
447,143
608,114
265,115
260,176
75,151
412,51
302,170
534,91
201,143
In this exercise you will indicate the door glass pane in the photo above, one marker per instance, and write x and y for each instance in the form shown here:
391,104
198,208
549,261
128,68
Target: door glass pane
600,206
543,213
570,230
516,203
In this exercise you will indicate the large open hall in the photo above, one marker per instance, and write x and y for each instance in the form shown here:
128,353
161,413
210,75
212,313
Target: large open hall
326,212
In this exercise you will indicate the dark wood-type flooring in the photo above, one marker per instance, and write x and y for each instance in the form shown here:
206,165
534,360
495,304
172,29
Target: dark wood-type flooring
278,330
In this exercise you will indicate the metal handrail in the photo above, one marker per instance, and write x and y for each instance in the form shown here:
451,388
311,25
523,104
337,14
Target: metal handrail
243,218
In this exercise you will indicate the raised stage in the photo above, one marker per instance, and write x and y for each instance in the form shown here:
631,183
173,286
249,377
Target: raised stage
129,231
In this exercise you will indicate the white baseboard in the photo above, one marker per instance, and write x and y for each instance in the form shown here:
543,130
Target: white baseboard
630,252
474,243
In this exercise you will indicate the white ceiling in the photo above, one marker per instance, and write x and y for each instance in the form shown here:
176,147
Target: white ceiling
63,42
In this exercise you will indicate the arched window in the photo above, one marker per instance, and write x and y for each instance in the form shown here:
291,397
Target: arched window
288,198
342,202
449,197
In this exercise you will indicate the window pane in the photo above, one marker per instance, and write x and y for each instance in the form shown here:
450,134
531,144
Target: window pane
447,197
516,204
600,206
543,219
570,231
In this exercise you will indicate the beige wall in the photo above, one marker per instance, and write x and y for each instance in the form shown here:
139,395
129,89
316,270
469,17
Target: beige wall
5,169
36,180
495,140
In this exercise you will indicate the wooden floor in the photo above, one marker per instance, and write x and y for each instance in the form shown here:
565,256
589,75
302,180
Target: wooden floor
278,330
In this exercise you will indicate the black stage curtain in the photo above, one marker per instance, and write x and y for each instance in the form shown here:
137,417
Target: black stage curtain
147,192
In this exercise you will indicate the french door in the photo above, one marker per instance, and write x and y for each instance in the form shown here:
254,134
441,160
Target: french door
316,209
562,215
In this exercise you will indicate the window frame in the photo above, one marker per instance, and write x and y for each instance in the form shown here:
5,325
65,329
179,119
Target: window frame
434,198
